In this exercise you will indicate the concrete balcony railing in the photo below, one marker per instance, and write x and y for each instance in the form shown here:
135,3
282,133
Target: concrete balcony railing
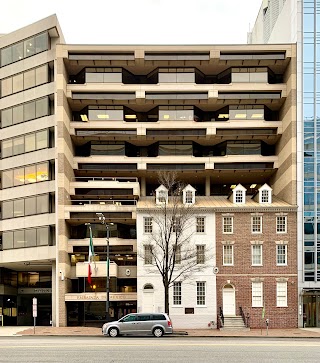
99,269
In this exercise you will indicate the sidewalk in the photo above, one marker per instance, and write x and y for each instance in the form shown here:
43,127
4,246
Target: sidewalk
87,331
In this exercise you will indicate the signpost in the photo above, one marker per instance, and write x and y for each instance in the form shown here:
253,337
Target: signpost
34,313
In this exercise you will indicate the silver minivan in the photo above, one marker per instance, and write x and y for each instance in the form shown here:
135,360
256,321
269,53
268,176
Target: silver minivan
157,324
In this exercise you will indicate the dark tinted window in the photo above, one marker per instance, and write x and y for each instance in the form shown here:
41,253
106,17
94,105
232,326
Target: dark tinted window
130,318
143,317
158,317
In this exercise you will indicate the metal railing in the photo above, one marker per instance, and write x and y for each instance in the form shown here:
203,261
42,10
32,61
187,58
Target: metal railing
119,179
117,202
220,318
245,318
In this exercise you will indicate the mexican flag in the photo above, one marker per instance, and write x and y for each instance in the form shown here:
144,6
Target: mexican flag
90,256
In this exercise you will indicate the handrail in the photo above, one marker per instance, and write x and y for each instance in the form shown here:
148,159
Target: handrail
221,316
105,178
246,319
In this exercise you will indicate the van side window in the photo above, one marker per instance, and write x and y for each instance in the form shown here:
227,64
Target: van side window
143,317
158,317
129,318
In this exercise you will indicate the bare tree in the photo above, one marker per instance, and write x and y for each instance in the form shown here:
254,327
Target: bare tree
170,248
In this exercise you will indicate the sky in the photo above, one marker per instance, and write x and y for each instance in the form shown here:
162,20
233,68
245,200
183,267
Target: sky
138,21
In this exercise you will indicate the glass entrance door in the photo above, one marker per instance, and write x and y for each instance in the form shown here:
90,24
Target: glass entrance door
311,311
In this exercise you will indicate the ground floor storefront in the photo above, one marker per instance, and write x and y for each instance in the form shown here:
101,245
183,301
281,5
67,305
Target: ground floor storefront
311,308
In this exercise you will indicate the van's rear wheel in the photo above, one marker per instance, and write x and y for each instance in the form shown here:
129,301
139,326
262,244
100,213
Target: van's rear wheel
113,332
158,332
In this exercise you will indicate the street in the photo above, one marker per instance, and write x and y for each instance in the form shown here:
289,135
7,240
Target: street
149,349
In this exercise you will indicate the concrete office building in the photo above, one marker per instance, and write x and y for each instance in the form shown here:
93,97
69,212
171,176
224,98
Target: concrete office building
296,21
84,128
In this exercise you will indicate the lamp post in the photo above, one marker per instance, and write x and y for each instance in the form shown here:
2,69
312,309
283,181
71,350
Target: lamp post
102,219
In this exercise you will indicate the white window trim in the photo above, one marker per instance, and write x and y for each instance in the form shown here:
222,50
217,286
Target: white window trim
286,254
261,249
205,294
223,224
204,225
232,255
144,257
285,303
144,225
173,295
260,304
286,225
255,232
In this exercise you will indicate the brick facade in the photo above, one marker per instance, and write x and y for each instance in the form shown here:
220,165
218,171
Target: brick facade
241,274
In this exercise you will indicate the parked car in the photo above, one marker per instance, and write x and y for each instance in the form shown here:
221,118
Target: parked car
139,323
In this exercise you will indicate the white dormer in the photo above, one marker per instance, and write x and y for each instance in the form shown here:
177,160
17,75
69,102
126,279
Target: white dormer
189,195
265,194
161,195
239,194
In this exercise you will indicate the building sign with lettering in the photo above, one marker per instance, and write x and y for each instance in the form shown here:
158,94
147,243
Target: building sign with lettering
101,296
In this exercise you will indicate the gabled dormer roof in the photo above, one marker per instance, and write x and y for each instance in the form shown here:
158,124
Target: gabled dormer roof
189,188
235,194
161,195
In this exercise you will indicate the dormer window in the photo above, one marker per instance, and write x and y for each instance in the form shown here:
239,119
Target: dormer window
265,194
161,195
189,195
239,194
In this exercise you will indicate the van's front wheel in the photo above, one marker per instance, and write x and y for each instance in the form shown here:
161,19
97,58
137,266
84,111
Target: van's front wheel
113,332
158,332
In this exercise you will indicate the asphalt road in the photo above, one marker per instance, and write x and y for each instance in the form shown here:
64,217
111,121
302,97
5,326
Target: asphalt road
149,349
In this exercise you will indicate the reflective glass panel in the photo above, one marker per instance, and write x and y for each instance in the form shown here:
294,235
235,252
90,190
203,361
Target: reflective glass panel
6,56
43,236
18,239
41,139
6,117
29,79
29,47
30,174
43,204
17,114
6,87
18,145
42,75
42,172
7,240
41,42
31,237
30,142
30,206
29,111
17,52
7,209
7,178
18,208
42,107
17,83
18,176
7,149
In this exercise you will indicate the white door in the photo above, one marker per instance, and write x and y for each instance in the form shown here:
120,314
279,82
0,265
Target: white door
148,302
229,301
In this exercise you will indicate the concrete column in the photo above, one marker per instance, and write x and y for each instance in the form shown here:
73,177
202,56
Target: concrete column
54,295
143,190
208,186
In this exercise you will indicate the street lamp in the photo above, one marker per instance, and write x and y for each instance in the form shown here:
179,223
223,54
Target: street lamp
102,219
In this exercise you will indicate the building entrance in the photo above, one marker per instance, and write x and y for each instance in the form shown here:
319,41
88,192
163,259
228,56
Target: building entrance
311,309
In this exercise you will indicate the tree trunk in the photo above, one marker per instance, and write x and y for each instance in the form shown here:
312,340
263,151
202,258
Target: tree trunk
166,297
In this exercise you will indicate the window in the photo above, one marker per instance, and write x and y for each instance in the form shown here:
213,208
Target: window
265,196
200,254
177,252
257,294
227,225
162,196
256,224
148,255
239,196
200,224
176,225
281,255
177,293
228,255
23,238
281,224
189,197
282,294
201,293
256,255
147,222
